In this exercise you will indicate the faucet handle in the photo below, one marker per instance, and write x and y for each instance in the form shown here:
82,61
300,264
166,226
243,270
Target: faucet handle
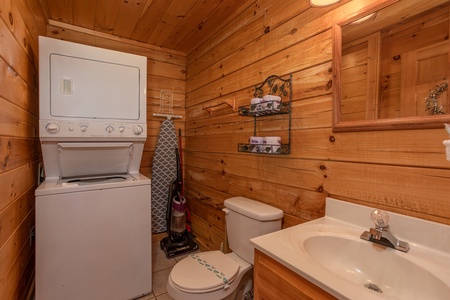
380,218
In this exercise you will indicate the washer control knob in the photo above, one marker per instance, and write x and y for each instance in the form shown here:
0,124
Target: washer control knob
83,128
109,129
52,128
137,130
121,128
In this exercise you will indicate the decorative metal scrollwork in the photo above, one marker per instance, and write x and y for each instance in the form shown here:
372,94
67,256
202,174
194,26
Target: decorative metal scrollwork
276,85
280,88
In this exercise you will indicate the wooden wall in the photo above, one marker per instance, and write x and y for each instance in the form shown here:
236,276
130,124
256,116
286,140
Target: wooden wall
402,171
21,22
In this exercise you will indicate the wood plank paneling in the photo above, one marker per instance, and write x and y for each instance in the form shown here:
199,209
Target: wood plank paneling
15,90
22,32
22,266
179,25
170,20
299,56
403,171
202,53
16,57
208,26
84,13
60,10
128,15
150,17
20,24
194,19
106,13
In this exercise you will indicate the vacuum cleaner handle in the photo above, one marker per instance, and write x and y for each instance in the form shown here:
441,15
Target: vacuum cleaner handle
174,189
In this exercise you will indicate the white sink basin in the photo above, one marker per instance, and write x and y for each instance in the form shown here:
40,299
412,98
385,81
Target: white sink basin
372,266
329,253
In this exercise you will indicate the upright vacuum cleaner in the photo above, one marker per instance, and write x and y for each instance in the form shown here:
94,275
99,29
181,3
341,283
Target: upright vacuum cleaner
179,240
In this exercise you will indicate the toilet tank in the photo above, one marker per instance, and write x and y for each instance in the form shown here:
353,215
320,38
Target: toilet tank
246,219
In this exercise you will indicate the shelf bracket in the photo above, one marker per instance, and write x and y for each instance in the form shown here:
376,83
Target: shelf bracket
231,102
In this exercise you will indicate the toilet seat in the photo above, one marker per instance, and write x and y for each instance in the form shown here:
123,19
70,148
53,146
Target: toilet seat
204,272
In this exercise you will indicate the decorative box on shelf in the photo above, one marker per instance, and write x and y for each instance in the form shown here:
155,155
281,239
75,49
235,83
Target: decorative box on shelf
265,109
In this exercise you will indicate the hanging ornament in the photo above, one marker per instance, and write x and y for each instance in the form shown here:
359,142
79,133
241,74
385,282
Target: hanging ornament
432,105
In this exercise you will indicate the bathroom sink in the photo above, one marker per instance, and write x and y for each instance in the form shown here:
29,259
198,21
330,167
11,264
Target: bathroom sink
371,266
329,253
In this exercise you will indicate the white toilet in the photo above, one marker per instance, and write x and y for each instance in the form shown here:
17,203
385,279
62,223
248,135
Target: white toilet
213,275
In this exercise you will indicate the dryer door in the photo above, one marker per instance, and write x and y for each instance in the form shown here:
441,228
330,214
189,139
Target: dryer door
85,88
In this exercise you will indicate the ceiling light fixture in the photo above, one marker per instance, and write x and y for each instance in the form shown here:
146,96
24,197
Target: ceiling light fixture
364,19
320,3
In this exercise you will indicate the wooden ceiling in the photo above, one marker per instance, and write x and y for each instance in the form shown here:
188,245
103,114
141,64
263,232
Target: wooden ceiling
180,25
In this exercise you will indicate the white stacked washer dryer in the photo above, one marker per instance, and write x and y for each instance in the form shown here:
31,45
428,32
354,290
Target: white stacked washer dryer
93,211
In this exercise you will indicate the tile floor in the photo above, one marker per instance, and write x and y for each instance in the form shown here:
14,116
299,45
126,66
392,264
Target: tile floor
161,268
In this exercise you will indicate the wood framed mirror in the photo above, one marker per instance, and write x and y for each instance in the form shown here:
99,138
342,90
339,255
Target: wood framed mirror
391,67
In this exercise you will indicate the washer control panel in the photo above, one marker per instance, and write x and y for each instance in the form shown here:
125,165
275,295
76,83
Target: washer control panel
78,129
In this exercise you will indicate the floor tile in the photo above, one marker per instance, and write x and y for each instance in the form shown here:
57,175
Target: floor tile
156,249
160,281
148,297
164,297
161,262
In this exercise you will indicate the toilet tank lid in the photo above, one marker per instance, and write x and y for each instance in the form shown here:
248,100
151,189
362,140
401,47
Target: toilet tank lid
253,209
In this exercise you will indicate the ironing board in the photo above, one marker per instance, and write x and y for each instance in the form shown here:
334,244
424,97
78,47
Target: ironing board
164,171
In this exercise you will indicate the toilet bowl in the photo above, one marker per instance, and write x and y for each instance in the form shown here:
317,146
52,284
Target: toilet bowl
214,275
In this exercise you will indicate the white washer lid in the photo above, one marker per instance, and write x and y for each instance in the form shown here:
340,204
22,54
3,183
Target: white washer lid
204,272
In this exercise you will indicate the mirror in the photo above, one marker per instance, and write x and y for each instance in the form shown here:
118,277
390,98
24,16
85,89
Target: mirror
391,68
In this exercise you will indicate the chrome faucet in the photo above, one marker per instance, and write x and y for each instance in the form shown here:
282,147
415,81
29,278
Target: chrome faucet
381,234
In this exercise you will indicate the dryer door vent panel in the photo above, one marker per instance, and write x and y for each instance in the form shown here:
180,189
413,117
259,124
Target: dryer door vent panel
85,88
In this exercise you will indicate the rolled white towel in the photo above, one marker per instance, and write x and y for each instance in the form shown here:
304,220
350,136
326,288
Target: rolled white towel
267,98
447,148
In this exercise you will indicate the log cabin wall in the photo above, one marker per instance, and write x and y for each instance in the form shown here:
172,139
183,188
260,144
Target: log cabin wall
20,24
403,171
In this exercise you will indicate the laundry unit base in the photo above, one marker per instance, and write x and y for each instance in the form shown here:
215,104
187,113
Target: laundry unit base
94,243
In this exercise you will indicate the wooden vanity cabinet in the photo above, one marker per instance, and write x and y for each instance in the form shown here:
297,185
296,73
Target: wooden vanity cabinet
272,280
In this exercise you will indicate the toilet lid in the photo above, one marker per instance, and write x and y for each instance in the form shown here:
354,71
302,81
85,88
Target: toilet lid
204,272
